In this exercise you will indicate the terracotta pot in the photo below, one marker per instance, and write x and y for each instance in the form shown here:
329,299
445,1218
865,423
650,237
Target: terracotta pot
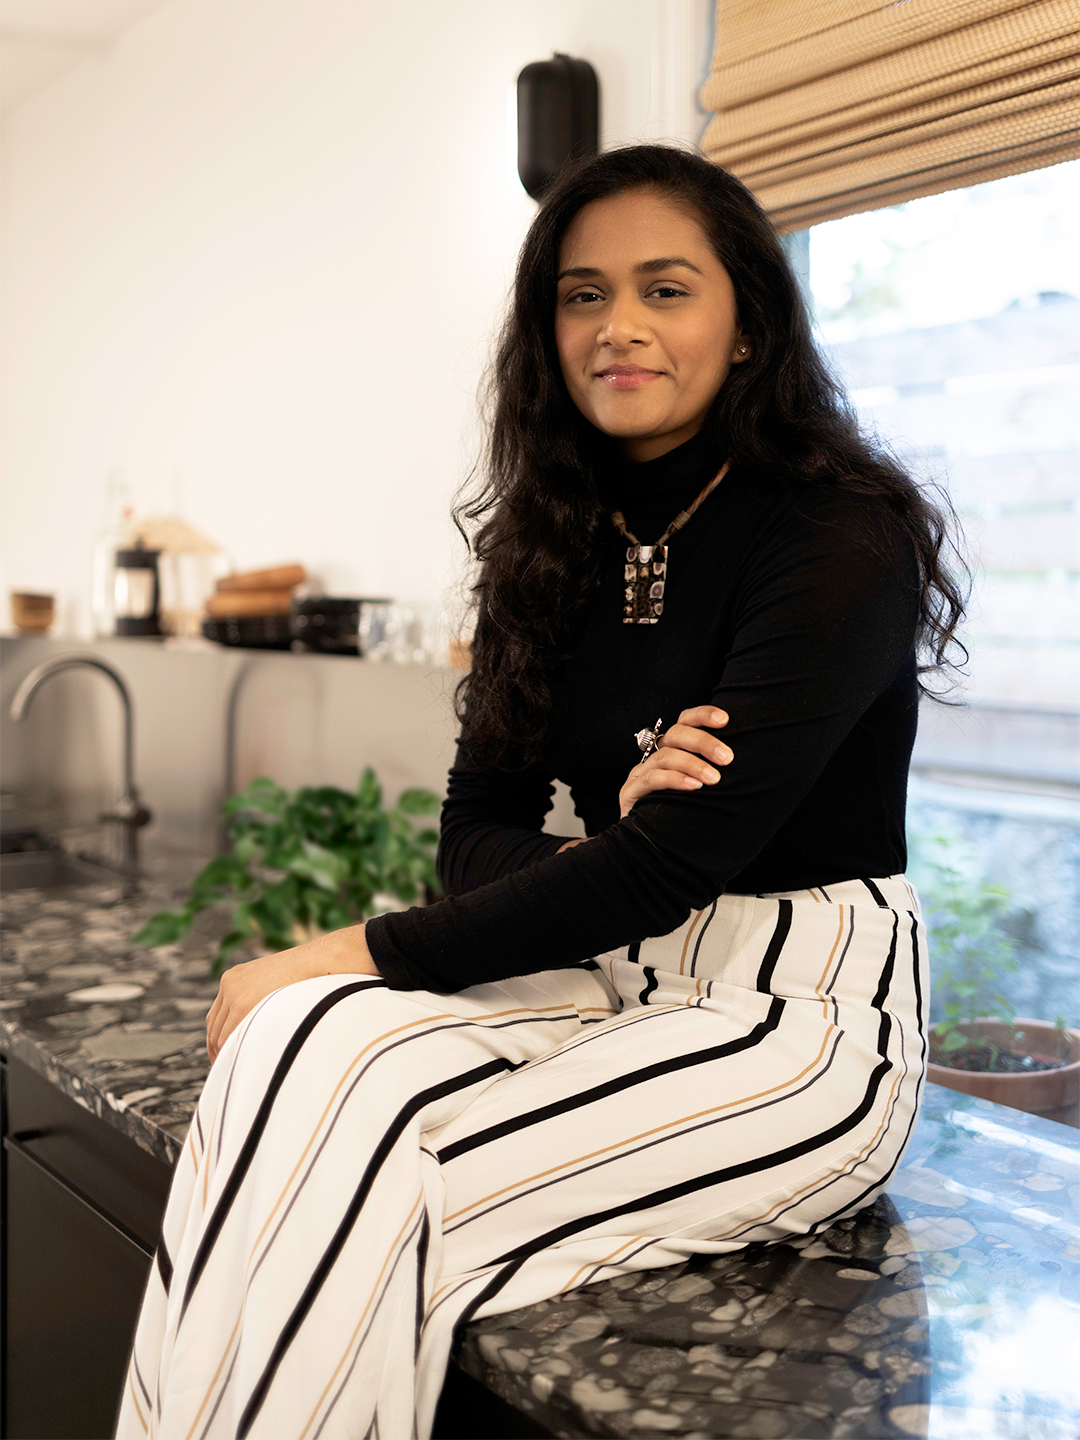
1053,1094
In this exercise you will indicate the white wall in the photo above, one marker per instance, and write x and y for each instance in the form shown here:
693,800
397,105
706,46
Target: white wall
253,257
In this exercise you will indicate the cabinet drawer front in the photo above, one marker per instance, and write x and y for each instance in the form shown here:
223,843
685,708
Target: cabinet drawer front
106,1167
73,1285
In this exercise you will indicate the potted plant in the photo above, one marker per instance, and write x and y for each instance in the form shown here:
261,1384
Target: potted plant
981,1047
301,864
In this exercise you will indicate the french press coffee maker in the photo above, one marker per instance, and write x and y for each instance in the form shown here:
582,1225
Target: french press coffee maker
137,591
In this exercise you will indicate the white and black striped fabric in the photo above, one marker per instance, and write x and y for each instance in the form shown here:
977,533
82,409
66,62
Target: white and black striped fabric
369,1168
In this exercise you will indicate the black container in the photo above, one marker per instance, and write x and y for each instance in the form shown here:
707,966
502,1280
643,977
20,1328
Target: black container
253,632
558,118
329,625
137,592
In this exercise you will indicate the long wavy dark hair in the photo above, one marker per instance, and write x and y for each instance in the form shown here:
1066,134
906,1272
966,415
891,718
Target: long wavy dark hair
536,516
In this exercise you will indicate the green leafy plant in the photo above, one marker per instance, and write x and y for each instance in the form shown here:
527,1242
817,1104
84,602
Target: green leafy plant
970,950
307,862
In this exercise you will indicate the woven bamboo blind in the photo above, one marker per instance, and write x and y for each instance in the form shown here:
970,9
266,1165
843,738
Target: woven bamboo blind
828,107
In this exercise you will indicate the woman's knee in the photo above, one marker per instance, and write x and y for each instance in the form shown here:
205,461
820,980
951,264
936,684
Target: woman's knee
293,1016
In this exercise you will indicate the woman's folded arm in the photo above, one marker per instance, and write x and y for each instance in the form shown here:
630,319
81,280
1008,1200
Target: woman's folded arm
825,625
491,824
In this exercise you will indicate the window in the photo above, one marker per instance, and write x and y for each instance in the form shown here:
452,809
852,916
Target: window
954,322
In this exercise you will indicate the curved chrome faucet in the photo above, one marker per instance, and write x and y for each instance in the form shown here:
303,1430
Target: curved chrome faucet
130,813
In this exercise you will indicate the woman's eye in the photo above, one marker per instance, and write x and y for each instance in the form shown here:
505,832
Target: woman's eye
666,292
581,296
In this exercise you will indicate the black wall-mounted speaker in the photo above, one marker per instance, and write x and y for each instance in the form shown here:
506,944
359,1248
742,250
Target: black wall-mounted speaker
558,118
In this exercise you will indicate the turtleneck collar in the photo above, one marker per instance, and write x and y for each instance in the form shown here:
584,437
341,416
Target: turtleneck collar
650,493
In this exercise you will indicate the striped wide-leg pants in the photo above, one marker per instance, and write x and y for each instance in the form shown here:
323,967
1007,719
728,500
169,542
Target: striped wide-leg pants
369,1167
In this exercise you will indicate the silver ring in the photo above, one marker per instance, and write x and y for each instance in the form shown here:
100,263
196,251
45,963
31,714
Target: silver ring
648,741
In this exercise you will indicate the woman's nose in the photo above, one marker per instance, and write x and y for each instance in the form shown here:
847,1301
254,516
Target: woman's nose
624,324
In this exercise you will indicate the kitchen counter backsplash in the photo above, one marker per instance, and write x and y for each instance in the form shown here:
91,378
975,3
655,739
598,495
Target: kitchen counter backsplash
119,1028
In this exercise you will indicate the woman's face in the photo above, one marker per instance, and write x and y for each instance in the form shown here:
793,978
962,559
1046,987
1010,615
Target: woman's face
645,321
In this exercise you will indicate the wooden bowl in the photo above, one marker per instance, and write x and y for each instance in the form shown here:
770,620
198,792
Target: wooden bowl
31,614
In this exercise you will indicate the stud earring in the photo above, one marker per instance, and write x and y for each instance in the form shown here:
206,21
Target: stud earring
742,350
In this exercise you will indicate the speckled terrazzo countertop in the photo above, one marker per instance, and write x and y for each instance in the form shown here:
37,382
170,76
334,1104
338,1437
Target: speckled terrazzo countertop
948,1309
118,1028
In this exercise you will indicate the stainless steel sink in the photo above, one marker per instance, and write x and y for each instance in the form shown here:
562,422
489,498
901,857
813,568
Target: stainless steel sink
51,870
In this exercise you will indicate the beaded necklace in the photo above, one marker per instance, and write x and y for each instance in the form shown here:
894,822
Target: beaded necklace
645,571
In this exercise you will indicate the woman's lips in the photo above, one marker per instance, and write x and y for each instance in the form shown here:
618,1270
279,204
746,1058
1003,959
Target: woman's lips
627,377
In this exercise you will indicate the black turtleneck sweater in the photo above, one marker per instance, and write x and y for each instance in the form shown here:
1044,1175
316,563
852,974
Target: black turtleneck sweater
790,605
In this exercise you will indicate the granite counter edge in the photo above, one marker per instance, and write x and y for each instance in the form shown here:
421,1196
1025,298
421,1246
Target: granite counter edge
91,1096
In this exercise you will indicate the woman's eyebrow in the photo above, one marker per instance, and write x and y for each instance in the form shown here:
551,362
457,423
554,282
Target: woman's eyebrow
646,267
669,262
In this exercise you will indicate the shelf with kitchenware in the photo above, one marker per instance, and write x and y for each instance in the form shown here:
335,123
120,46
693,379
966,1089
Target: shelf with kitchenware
159,578
146,592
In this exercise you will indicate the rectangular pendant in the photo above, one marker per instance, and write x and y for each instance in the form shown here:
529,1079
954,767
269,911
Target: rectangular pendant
644,574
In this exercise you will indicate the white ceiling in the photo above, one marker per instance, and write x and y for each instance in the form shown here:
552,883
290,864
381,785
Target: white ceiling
42,39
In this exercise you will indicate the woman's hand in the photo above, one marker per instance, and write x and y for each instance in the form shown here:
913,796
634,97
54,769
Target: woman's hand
343,952
680,762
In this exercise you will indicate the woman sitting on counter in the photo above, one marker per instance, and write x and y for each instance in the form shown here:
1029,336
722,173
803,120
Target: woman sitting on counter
701,1027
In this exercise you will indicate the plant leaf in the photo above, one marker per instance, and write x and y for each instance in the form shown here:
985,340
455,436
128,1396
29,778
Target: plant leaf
315,862
369,791
164,928
418,802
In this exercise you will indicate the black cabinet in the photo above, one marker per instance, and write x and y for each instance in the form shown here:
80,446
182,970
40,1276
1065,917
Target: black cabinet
82,1212
83,1206
469,1411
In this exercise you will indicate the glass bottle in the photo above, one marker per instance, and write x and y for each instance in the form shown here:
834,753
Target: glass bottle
114,533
